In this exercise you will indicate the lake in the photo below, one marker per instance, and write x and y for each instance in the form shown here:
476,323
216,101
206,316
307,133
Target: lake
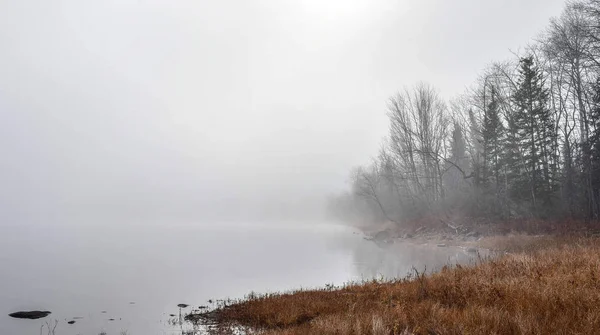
137,273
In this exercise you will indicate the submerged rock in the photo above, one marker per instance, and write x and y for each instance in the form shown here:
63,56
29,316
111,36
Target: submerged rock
382,235
31,315
472,250
442,245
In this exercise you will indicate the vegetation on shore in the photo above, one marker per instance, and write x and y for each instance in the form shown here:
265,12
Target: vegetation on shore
553,285
523,142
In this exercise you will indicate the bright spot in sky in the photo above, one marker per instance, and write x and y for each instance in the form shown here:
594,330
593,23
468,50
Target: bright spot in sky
337,9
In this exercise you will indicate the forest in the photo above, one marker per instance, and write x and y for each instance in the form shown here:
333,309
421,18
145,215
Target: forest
523,142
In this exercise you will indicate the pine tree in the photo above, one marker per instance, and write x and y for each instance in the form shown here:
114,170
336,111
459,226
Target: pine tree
457,165
511,160
536,133
476,149
492,135
594,143
458,147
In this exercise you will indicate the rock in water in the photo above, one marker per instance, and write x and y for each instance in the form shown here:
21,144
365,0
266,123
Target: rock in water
71,322
31,315
382,235
182,305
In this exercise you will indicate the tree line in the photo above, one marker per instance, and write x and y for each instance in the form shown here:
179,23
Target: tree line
523,142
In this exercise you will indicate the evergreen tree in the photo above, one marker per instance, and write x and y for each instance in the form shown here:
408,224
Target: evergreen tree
594,144
492,135
536,134
512,163
476,149
457,165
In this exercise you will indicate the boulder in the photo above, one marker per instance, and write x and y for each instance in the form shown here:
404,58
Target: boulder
31,315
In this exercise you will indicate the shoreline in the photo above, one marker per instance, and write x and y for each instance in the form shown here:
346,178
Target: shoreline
528,277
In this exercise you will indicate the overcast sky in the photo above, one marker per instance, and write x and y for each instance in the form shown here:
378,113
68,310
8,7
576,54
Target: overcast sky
200,108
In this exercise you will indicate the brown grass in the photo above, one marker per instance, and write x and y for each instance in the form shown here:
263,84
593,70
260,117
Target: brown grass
551,288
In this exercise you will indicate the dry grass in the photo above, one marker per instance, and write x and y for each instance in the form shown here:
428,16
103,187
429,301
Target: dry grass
552,288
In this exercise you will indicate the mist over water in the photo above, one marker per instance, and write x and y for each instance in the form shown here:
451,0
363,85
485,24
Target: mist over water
138,273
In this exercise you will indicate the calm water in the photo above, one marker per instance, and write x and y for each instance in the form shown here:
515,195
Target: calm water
138,273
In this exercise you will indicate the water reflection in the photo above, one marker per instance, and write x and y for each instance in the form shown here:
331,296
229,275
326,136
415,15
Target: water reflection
394,260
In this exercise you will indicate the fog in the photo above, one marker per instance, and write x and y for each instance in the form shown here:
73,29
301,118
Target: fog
155,153
220,110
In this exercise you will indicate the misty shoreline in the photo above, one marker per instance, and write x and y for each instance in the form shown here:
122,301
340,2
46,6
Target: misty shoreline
534,277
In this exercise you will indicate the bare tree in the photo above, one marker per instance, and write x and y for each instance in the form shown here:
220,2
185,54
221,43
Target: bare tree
418,130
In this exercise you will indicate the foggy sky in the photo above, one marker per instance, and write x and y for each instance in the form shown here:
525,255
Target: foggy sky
207,109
